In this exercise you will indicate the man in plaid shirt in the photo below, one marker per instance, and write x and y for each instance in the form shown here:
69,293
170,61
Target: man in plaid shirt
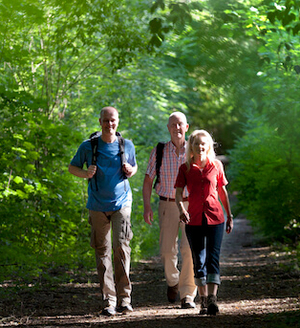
169,223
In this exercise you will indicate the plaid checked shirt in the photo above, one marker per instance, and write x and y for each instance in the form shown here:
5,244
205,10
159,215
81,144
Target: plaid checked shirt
168,170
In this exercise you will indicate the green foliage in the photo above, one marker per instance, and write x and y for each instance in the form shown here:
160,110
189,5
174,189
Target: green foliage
52,53
265,171
34,189
47,49
224,64
213,58
265,161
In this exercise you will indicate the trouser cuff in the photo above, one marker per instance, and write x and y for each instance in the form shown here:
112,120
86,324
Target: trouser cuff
200,281
213,278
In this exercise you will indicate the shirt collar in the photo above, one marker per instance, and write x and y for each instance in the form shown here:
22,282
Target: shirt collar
207,165
181,151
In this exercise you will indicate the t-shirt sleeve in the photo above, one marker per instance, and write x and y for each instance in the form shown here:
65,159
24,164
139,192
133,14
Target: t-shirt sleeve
130,154
151,168
80,157
221,178
181,177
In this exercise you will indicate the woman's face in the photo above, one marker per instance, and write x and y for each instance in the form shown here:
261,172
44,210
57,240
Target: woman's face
200,145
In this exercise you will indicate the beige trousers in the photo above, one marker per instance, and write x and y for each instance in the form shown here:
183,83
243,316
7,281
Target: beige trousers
114,291
170,226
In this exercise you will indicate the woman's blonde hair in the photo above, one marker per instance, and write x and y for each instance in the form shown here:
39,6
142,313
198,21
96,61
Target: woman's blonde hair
189,152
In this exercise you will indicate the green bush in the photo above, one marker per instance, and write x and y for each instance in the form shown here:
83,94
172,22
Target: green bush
265,172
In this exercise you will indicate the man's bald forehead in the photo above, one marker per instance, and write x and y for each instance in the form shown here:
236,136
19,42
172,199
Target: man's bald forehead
178,115
108,109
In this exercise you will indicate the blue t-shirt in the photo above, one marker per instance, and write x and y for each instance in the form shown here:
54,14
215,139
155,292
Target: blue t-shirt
113,191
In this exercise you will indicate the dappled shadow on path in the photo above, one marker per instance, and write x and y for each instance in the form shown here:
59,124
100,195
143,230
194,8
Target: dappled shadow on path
256,291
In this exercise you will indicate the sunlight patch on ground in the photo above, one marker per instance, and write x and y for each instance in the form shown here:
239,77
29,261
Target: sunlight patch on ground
254,307
263,306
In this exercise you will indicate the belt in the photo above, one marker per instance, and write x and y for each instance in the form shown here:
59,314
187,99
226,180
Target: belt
172,199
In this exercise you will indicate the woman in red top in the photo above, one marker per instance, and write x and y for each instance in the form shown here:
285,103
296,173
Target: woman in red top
204,177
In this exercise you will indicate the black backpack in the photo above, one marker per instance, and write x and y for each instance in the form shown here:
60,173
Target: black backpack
159,155
94,143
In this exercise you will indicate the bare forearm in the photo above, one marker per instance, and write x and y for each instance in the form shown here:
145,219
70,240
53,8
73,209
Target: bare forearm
147,191
179,200
81,173
78,172
183,213
225,200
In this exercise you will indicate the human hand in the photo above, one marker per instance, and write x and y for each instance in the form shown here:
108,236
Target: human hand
184,217
229,224
91,171
128,169
148,216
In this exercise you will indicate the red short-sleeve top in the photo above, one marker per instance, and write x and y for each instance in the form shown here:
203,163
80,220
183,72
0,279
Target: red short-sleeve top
203,191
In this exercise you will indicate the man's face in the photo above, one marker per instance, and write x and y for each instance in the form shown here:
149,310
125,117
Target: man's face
109,121
177,127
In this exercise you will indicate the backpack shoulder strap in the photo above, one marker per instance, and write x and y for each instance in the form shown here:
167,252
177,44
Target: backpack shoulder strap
159,155
94,143
121,141
122,151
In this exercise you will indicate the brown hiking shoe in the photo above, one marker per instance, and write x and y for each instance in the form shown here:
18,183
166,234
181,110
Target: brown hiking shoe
108,311
125,309
212,307
203,305
172,293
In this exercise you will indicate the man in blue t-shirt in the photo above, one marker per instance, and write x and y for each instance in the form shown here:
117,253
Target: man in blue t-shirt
109,203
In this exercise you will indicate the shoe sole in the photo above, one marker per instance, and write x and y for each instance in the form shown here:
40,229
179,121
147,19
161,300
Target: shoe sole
188,306
124,310
108,314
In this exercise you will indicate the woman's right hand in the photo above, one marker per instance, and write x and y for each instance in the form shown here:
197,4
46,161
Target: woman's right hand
184,217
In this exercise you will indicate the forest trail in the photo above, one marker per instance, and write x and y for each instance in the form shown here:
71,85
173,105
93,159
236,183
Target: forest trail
256,291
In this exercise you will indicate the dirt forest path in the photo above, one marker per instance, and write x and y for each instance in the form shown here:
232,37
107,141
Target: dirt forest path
256,291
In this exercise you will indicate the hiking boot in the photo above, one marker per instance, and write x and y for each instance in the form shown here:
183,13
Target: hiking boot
187,304
124,309
212,307
172,293
203,305
108,311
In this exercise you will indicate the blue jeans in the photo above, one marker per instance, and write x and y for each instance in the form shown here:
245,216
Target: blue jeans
205,242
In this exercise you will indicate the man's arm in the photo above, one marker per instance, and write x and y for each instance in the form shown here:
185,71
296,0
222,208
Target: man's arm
147,191
81,173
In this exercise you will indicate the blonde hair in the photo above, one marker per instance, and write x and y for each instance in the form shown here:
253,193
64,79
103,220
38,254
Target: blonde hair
189,152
